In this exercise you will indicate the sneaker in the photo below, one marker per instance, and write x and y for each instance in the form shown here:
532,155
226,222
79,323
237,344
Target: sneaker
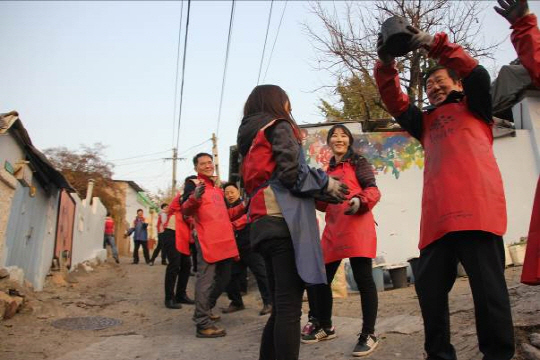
308,328
319,334
211,332
366,345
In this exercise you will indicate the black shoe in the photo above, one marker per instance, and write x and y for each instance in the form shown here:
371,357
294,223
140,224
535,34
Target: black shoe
134,263
171,304
232,308
163,263
267,309
185,300
116,259
366,345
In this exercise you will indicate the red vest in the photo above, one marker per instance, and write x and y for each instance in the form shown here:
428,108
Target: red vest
213,225
531,266
109,226
347,236
257,168
463,188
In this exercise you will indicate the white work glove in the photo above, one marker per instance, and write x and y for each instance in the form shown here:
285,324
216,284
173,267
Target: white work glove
420,39
384,56
337,190
512,10
354,206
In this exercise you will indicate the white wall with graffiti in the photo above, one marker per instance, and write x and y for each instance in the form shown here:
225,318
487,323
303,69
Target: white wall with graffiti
398,162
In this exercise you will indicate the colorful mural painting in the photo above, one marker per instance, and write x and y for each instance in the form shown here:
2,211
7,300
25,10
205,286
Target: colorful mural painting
392,152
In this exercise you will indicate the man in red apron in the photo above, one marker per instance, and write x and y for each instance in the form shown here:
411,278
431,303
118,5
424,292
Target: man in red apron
526,39
463,203
204,201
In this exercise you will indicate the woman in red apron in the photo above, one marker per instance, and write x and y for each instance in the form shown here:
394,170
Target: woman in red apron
349,233
281,190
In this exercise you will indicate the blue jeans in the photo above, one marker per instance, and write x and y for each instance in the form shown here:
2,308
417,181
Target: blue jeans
109,239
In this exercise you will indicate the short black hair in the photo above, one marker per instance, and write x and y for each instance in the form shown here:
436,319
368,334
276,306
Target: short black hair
163,205
451,73
140,210
227,184
199,155
108,213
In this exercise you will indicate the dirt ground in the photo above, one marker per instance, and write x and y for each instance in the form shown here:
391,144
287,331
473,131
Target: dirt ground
133,294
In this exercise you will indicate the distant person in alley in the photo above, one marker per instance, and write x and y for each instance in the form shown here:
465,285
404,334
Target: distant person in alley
162,219
526,39
204,201
463,202
140,237
108,238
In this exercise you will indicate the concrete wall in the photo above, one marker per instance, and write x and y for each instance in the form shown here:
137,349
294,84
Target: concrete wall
88,231
10,152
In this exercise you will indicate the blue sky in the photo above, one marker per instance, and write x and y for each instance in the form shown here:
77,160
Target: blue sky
86,72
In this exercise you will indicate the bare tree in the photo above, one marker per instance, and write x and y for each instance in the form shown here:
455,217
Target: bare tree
348,48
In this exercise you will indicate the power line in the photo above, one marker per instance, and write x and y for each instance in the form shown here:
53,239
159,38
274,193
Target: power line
275,40
194,147
177,69
139,162
265,38
139,156
183,75
225,66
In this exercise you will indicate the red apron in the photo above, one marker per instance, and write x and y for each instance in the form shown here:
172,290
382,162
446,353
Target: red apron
347,236
463,188
214,228
531,266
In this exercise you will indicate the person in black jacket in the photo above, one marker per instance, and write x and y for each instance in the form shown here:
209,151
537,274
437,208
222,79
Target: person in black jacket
248,259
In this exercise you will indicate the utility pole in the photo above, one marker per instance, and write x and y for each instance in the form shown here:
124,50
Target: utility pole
174,158
215,154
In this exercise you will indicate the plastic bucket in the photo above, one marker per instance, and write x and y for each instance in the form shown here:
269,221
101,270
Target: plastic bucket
396,36
517,252
398,275
413,263
378,278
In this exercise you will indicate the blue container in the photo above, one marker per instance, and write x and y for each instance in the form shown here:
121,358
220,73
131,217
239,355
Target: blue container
378,278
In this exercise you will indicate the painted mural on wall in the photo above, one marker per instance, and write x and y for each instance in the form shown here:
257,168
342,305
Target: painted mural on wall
389,152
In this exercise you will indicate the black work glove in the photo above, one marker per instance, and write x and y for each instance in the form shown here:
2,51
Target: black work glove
512,10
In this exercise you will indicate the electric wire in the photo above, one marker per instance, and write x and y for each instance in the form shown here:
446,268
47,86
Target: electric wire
275,40
265,39
183,75
177,70
225,67
139,156
194,147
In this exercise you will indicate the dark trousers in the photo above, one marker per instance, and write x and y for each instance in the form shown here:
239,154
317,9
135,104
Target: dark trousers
320,296
255,262
193,250
144,244
178,269
159,248
482,256
281,334
211,281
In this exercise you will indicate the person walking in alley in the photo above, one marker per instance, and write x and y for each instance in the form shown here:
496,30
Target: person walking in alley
162,219
140,237
349,233
108,237
179,266
526,40
463,204
248,259
204,201
281,188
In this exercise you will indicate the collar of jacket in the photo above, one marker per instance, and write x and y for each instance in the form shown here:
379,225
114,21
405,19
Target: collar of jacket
207,179
453,97
347,157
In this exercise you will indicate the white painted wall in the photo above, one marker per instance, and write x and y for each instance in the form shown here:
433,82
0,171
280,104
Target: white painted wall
88,231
